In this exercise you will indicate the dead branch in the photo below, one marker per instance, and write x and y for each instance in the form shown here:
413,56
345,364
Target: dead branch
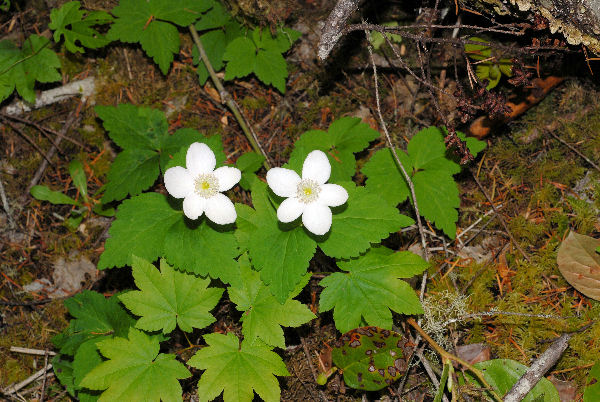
334,26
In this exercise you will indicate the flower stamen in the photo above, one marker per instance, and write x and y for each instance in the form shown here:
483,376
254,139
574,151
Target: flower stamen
206,185
308,191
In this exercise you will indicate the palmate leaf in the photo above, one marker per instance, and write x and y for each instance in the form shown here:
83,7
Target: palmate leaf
69,14
136,371
147,146
371,288
237,371
151,23
263,314
431,168
345,137
168,297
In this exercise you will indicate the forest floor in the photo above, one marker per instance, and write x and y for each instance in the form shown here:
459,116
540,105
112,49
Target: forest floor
519,198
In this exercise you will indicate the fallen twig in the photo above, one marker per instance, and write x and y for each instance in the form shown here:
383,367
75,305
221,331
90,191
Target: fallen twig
334,25
538,369
6,206
11,389
28,351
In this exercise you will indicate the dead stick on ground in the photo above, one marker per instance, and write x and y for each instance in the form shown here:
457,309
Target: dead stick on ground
310,365
229,101
14,388
41,128
38,352
43,393
63,131
487,197
538,369
335,24
572,148
6,206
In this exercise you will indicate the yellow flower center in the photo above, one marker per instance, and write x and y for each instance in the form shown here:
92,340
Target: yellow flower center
206,185
308,191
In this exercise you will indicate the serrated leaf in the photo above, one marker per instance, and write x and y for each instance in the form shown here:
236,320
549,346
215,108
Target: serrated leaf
168,298
592,389
202,248
136,371
149,22
80,29
94,317
271,69
263,314
372,358
214,44
132,171
216,17
85,360
366,219
249,163
281,253
63,369
241,57
502,374
140,228
237,371
345,137
43,193
371,288
580,264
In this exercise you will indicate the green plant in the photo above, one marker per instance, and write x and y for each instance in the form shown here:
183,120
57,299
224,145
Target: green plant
490,66
84,203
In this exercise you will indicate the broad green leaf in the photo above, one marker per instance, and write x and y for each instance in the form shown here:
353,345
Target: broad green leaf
150,23
202,248
214,45
80,29
371,287
478,52
85,360
78,175
216,17
94,317
168,298
140,228
592,389
241,57
365,219
249,163
43,193
237,371
372,358
502,374
271,69
345,137
63,369
136,371
280,252
377,38
132,171
431,167
263,314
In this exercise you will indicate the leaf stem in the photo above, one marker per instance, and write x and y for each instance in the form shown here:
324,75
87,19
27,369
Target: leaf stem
229,101
447,355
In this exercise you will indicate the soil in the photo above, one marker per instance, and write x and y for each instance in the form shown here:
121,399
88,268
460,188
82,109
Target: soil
537,179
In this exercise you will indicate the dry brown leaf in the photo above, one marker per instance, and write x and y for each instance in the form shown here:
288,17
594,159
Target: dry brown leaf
579,263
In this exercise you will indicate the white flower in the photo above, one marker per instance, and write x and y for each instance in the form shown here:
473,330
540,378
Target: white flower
308,196
200,185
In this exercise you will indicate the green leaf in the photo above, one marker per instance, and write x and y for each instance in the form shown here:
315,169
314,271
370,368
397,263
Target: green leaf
95,317
502,374
216,17
345,137
365,219
78,176
377,38
140,228
168,297
150,23
237,371
372,358
280,252
63,369
141,132
249,163
478,52
271,69
201,248
81,29
431,168
592,389
371,288
21,68
214,44
43,193
241,57
263,314
136,371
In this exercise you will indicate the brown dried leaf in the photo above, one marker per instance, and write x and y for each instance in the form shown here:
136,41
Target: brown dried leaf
579,263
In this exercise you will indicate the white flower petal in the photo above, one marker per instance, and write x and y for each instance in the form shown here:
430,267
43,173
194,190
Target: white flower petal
228,177
200,159
316,167
179,182
220,209
283,182
194,206
290,209
332,195
317,218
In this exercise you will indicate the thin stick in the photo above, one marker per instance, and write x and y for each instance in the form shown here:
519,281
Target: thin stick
450,356
310,365
41,128
392,148
487,197
43,393
229,101
37,352
572,148
6,206
334,26
14,388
